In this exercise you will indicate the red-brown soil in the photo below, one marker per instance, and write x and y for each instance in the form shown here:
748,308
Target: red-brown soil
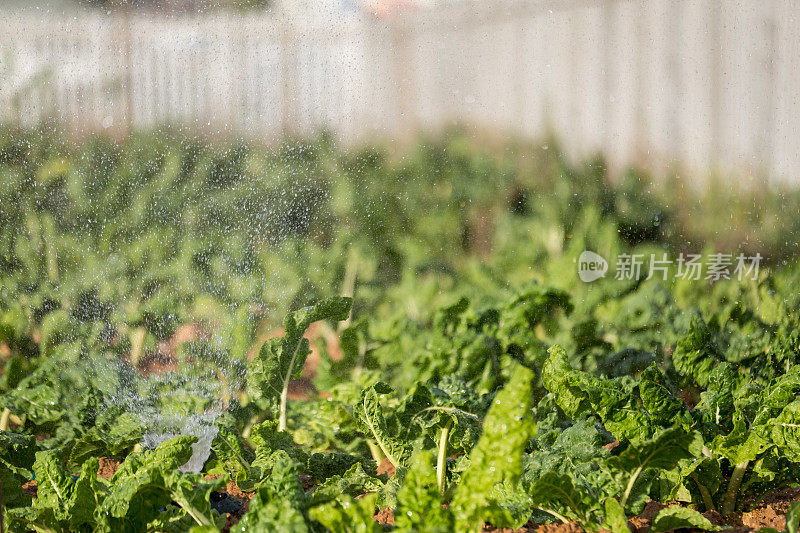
385,517
770,512
30,488
164,358
386,467
108,467
233,490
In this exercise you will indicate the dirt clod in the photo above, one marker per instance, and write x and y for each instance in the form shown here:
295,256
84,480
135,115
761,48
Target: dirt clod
638,525
651,510
108,467
30,488
560,527
307,482
764,517
156,364
385,517
233,490
386,467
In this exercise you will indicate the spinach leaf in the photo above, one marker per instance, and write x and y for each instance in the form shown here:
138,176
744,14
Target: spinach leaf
281,358
497,457
676,517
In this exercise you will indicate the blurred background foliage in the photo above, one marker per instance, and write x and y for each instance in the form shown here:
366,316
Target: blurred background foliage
115,246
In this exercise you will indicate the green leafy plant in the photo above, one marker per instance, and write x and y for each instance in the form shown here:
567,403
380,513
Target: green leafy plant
281,358
139,278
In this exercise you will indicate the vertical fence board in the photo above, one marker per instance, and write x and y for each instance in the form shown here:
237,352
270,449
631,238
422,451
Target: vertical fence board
703,84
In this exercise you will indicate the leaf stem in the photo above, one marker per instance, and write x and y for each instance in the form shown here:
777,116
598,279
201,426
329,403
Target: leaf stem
375,451
239,456
137,343
629,488
349,285
377,436
285,389
449,410
282,416
4,418
441,459
225,395
707,500
195,513
729,500
548,511
383,448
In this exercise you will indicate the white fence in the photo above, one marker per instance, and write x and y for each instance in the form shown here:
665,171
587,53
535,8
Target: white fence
706,84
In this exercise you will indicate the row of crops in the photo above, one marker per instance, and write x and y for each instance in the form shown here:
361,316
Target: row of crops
455,374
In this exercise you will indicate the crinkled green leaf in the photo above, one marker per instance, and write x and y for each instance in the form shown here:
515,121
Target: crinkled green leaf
402,421
497,457
133,501
354,482
138,490
784,431
63,503
17,454
192,493
233,457
697,353
615,519
663,407
348,515
107,438
515,502
532,306
172,453
458,408
54,486
39,403
676,517
87,492
717,403
280,503
578,451
419,503
369,418
556,494
266,441
661,453
173,519
580,394
741,444
701,477
322,466
281,359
